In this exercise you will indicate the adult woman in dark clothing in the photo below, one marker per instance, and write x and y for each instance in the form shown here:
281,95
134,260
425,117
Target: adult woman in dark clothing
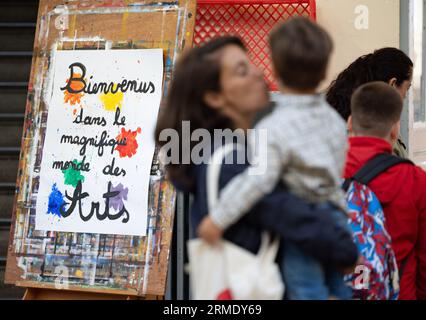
216,87
389,65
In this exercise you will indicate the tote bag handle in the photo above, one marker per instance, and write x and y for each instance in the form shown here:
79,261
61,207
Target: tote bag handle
266,252
213,172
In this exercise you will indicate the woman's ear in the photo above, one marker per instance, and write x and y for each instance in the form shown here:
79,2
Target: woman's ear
392,82
349,124
214,100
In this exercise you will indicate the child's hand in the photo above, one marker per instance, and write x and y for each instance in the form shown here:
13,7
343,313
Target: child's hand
208,231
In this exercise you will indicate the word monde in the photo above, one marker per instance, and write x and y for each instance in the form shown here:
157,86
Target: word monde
77,83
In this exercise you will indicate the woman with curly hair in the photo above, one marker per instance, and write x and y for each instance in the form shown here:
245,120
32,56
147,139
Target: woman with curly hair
389,65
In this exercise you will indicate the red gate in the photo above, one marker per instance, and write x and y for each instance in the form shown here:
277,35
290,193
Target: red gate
252,20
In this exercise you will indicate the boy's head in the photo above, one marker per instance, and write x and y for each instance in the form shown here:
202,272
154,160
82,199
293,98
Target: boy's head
300,52
375,111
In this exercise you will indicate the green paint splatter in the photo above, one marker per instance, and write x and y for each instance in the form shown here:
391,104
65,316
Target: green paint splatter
72,176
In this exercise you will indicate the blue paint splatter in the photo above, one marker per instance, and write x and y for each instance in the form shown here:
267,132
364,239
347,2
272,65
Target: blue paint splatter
56,200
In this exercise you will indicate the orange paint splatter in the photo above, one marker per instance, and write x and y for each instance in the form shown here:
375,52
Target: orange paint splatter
129,149
74,98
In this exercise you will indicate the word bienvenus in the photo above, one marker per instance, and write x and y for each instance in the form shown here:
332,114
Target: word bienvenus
78,83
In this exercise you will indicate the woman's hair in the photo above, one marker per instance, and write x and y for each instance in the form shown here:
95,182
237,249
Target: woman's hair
196,73
381,65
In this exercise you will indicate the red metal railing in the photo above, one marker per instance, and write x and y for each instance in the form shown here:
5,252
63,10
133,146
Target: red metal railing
252,20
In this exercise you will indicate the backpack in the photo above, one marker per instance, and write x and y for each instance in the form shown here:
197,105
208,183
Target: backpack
377,277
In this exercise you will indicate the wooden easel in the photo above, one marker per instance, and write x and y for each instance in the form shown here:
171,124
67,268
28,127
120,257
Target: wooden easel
75,27
49,294
39,293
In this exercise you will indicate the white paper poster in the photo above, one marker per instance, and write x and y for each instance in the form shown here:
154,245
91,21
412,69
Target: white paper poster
99,143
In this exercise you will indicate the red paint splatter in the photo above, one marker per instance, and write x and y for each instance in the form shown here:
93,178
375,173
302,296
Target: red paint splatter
129,149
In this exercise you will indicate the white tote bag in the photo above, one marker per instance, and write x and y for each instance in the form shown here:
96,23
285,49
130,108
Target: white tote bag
227,271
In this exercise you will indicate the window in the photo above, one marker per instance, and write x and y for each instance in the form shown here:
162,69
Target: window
415,33
417,56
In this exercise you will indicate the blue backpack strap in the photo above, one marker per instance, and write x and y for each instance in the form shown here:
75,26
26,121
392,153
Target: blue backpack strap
373,168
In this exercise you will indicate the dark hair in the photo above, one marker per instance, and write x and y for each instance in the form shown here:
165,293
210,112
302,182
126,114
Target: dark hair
300,51
196,72
375,107
382,65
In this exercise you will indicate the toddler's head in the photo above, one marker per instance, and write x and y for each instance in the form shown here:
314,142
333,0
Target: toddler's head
300,53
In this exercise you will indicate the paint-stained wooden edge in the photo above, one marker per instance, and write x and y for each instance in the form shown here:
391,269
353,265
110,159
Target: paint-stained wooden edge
47,286
12,271
50,294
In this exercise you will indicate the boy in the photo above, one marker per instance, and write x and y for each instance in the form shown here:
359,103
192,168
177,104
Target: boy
306,148
374,126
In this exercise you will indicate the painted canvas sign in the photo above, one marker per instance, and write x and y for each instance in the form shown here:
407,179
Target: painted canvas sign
98,148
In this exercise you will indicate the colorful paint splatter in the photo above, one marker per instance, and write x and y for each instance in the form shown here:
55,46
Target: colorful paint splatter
131,146
56,200
118,201
112,101
72,176
74,98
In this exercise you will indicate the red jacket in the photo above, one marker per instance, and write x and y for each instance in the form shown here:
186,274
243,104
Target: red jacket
402,193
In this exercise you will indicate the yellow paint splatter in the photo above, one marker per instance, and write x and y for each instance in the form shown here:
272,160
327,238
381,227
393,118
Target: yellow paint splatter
79,274
112,100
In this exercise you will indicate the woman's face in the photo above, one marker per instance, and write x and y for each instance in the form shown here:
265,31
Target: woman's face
243,89
403,88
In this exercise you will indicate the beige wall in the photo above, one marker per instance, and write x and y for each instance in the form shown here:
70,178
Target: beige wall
339,18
